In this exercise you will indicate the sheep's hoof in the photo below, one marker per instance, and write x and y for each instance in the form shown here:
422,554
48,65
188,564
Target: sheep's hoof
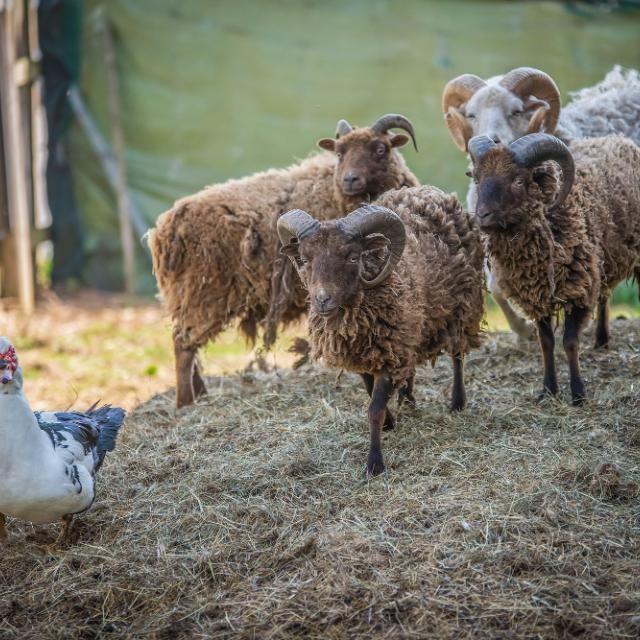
389,422
602,343
546,394
578,400
578,395
408,397
457,405
375,465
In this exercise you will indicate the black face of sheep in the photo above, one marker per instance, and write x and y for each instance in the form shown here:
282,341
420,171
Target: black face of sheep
331,263
336,259
365,154
508,178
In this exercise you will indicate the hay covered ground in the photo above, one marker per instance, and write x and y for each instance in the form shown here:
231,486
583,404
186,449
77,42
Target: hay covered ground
249,516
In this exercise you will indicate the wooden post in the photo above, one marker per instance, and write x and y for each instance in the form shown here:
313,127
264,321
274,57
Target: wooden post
117,138
14,124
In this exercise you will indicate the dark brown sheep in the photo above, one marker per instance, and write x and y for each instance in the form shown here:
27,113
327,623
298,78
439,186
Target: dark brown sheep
389,291
215,253
560,243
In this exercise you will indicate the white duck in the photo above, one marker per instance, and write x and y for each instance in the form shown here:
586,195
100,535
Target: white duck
48,460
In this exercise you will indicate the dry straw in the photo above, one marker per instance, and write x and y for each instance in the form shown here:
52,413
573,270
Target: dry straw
248,515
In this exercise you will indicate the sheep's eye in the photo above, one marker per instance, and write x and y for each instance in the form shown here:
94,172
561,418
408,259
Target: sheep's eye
304,260
518,182
339,154
469,174
353,258
380,151
470,116
516,113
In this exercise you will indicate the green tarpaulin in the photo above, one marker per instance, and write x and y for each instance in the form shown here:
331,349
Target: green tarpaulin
213,89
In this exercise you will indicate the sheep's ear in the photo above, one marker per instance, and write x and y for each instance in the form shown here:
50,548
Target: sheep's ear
329,144
538,111
291,249
399,140
376,241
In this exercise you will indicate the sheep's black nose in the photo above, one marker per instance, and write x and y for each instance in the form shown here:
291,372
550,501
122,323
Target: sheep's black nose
322,297
351,179
495,137
483,211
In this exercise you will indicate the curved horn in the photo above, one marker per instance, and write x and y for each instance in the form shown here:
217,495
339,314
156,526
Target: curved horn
532,149
526,81
375,219
478,147
296,224
343,128
458,91
394,120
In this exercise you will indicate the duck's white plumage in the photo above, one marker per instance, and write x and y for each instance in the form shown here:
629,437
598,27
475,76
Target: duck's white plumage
48,460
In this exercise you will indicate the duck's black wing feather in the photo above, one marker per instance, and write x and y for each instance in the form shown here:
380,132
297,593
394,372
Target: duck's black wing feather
96,429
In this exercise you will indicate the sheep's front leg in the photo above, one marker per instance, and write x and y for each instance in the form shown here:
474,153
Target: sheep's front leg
573,323
389,420
199,387
602,324
189,384
380,395
458,394
547,342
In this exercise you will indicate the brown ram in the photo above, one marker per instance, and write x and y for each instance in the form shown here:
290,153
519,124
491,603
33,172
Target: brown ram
390,291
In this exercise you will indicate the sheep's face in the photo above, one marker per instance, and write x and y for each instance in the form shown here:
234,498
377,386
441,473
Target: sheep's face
330,264
503,191
498,113
365,161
